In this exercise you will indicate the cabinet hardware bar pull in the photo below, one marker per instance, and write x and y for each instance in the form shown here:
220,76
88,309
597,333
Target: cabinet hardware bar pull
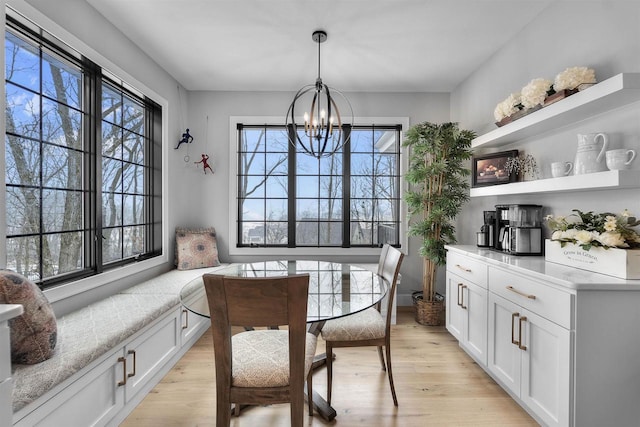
133,374
513,340
468,270
520,346
462,302
459,299
512,289
124,371
186,318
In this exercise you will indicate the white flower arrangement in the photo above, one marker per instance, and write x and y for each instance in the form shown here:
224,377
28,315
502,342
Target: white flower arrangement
587,229
535,92
508,107
573,78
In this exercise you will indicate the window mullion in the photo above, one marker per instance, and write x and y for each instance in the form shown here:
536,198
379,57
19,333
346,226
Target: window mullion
346,187
292,190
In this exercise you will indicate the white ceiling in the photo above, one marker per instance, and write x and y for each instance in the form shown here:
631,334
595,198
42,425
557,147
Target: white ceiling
373,45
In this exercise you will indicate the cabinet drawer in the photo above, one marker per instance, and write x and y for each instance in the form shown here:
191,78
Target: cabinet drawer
468,268
550,303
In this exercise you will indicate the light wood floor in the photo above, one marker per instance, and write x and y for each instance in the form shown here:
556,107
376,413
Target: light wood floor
437,384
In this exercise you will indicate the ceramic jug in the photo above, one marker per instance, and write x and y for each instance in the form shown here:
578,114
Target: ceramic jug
590,155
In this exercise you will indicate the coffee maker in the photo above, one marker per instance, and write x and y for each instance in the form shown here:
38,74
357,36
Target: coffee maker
486,236
518,229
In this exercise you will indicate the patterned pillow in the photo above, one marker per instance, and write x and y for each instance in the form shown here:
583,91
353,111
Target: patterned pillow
196,248
34,333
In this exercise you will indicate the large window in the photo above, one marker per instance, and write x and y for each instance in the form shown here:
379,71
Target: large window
82,163
287,198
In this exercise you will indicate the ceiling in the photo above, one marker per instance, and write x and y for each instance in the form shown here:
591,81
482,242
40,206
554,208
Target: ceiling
372,46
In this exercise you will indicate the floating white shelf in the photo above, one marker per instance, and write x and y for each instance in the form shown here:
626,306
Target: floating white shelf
615,92
609,180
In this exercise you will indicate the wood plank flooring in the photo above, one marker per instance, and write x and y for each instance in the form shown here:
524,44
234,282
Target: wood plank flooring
437,384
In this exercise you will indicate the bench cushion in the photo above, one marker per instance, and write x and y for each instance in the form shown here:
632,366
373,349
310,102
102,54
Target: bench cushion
85,335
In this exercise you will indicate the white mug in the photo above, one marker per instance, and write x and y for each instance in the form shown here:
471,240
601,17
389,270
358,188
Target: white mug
561,169
619,159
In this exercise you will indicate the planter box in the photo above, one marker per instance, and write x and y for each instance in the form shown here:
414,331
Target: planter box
622,263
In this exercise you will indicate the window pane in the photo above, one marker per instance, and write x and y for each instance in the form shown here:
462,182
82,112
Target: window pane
331,209
330,186
133,241
307,165
23,256
276,209
133,210
23,210
111,245
133,119
111,106
61,82
22,62
61,124
252,233
22,161
307,186
133,149
307,209
253,209
276,186
276,233
111,209
111,175
62,167
23,112
133,178
62,211
111,140
331,165
69,259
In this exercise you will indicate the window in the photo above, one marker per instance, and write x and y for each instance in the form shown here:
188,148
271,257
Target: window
82,194
351,199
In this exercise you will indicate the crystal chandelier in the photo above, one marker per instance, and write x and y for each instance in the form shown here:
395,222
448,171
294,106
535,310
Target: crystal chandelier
322,134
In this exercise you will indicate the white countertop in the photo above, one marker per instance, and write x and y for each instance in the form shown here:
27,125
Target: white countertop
537,267
9,311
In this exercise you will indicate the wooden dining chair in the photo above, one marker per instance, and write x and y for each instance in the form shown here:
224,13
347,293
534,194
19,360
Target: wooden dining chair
260,366
368,327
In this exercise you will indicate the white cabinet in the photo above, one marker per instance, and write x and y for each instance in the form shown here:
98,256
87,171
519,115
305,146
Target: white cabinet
115,380
530,356
191,324
466,314
7,312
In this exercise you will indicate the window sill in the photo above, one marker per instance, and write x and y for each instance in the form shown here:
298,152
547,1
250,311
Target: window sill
304,252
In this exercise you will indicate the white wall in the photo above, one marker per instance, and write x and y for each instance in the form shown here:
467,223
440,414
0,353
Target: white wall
211,192
603,35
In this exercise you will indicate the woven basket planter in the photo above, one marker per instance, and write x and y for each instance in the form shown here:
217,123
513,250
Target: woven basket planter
428,313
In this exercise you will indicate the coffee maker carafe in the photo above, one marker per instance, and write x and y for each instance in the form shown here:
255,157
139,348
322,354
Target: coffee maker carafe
486,235
519,229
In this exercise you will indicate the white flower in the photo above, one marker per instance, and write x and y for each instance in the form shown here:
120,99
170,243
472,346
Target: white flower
612,240
610,223
584,237
557,235
507,107
625,213
573,77
535,92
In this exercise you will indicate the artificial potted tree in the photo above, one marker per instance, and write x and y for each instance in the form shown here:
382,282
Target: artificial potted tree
438,187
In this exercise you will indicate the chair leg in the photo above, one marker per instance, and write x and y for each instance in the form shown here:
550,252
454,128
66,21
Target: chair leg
310,392
223,410
381,358
393,389
329,355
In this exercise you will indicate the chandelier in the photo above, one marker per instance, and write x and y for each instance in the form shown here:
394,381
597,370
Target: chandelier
322,134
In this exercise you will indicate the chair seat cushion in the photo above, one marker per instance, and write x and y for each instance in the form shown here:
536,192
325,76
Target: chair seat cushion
261,358
365,325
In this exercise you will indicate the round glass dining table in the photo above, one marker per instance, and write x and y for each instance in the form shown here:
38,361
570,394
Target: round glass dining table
335,289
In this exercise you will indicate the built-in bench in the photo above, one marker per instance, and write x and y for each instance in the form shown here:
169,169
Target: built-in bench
109,355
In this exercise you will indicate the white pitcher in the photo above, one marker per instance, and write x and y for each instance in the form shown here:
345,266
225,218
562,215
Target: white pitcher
590,156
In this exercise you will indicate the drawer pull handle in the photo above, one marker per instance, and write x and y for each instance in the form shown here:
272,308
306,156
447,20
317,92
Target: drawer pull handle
133,374
512,289
513,339
468,270
124,371
520,345
462,299
186,319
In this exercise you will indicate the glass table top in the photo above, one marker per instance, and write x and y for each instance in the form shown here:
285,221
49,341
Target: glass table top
335,289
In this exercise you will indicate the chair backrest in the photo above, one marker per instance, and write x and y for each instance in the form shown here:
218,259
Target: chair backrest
383,255
389,270
260,302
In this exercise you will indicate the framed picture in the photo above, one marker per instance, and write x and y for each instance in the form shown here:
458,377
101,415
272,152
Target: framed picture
489,169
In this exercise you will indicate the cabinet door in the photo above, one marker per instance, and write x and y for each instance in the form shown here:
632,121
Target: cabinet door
455,313
475,330
149,352
545,369
190,322
504,356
